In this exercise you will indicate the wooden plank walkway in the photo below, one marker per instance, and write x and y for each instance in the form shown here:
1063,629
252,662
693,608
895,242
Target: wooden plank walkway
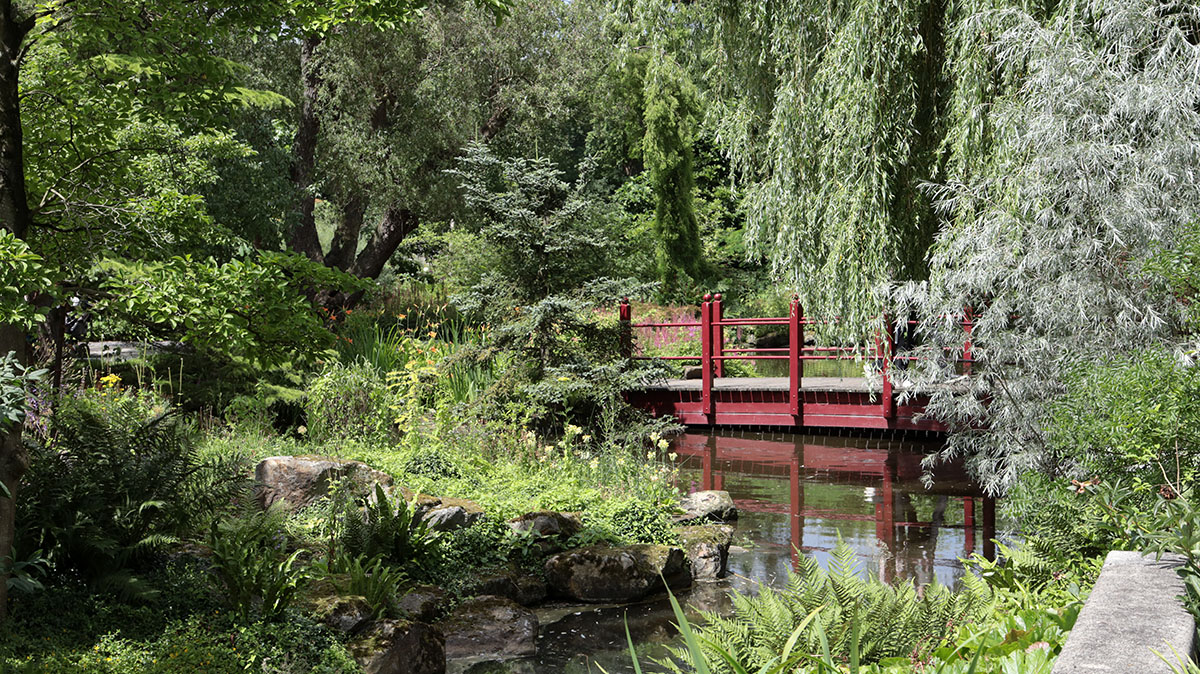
824,402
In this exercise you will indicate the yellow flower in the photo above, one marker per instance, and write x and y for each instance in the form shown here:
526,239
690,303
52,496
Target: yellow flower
672,456
663,444
649,456
110,380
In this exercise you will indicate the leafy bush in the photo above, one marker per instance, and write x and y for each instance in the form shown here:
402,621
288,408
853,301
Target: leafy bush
1137,417
349,401
100,497
866,618
249,556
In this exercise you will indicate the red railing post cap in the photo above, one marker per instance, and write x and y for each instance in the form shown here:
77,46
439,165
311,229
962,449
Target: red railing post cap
708,297
624,300
717,297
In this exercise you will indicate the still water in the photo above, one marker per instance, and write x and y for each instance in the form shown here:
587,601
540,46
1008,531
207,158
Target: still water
796,494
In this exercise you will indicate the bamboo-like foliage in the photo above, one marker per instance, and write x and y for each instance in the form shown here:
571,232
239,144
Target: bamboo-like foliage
1093,173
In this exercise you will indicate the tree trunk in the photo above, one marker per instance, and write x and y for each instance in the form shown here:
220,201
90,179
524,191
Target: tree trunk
395,224
15,217
304,237
14,204
345,239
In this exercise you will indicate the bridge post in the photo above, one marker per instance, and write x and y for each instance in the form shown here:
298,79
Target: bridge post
626,321
887,351
718,336
706,360
795,362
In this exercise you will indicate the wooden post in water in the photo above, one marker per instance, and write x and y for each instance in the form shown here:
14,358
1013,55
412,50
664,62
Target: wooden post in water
885,515
626,319
887,348
797,505
795,362
706,361
707,463
969,524
989,527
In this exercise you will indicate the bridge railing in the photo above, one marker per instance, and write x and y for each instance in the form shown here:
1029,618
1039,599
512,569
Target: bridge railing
714,352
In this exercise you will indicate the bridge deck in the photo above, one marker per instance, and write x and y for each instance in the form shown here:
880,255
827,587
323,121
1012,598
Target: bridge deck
824,402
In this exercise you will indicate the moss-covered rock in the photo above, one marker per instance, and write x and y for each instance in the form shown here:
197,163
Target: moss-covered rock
520,586
491,627
422,602
400,647
707,549
616,574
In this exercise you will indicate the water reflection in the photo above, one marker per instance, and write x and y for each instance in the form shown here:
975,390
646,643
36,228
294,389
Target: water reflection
793,492
800,493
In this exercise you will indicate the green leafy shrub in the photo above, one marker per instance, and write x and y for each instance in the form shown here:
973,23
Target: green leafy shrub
100,497
249,556
349,401
1137,418
861,617
431,464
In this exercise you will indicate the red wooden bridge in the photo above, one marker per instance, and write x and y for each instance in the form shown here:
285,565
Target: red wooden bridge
794,401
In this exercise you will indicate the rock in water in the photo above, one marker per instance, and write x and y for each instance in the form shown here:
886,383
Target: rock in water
707,549
492,627
519,586
707,505
300,480
623,574
400,647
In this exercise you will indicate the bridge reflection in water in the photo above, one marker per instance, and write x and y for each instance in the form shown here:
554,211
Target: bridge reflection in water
803,492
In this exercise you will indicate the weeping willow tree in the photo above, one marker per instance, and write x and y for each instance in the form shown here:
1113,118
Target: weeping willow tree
834,114
1092,174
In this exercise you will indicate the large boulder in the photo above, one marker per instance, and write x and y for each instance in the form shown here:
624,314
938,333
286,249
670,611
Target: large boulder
521,587
300,480
422,602
448,514
490,627
400,647
612,575
707,506
348,614
707,549
551,529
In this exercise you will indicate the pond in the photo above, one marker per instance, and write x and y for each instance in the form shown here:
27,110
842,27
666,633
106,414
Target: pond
794,493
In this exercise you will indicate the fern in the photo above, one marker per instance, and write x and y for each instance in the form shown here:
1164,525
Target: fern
101,497
885,620
387,528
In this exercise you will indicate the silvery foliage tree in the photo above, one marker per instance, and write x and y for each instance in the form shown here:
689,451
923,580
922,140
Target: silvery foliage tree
1094,169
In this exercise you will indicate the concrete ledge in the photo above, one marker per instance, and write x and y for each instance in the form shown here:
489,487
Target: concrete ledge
1132,609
